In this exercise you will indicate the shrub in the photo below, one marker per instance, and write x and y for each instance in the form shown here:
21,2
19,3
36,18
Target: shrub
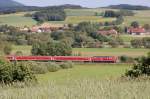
126,46
136,43
10,73
37,68
53,67
7,49
126,59
21,72
66,65
19,53
113,43
142,67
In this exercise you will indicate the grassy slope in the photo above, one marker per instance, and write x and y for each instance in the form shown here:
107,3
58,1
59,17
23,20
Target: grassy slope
111,51
17,19
81,83
75,16
143,17
97,71
128,38
26,50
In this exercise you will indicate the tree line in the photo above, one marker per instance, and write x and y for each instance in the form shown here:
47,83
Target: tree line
53,14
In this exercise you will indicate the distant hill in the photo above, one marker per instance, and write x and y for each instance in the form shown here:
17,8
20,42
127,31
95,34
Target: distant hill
70,6
129,7
9,3
21,8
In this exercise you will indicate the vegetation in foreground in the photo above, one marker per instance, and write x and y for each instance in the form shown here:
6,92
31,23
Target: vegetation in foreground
81,89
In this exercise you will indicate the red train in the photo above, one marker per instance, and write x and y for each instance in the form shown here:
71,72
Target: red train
104,59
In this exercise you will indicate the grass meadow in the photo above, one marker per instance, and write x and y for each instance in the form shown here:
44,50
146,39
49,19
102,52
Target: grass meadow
81,89
17,20
78,19
75,16
143,17
133,52
128,38
81,82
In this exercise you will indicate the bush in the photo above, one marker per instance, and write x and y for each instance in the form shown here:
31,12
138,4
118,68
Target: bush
10,73
19,53
126,46
66,65
113,43
7,49
136,43
141,68
126,59
53,67
37,68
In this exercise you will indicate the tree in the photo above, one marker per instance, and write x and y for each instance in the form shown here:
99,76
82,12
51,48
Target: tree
142,67
53,14
135,24
113,43
136,43
110,13
87,27
146,42
53,48
146,26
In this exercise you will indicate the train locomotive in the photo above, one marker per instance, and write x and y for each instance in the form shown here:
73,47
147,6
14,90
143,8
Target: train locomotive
98,59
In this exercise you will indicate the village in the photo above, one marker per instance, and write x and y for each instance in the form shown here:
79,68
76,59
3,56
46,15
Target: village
47,27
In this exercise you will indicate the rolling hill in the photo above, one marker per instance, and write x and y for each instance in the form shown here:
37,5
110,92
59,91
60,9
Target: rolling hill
9,3
129,7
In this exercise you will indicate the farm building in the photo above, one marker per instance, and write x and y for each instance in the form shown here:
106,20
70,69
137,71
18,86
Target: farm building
108,32
137,31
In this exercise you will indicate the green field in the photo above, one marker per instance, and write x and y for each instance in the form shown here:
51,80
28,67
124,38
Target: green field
84,12
88,71
26,50
143,17
128,38
133,52
75,19
81,82
17,19
75,16
78,19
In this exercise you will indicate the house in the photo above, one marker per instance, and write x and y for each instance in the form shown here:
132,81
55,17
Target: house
24,29
137,31
108,32
47,27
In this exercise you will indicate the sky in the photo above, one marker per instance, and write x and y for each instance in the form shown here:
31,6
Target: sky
85,3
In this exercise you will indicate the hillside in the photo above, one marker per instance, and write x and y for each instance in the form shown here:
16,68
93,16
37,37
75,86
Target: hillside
129,7
9,3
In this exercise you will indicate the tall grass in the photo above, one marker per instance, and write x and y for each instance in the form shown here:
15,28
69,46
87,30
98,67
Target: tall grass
81,89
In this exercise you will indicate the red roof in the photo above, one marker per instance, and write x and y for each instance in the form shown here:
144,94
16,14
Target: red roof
136,30
107,32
